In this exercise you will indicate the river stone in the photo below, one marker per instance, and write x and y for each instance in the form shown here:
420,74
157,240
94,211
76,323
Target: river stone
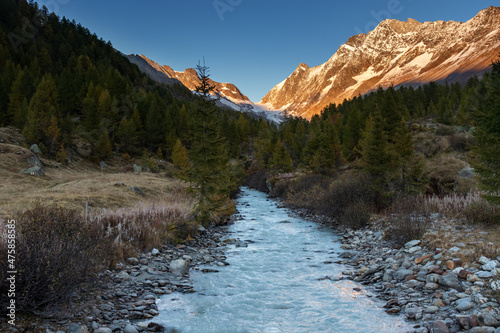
486,319
482,329
484,274
464,304
463,322
497,330
414,249
133,261
450,280
413,313
412,243
431,286
388,275
401,274
432,309
103,330
179,267
130,329
490,265
76,328
439,327
483,260
155,252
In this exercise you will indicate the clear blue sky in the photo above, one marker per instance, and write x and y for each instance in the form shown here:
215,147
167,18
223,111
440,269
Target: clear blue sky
254,44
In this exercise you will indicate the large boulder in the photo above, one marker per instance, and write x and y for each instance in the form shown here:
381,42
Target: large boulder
34,171
179,267
33,160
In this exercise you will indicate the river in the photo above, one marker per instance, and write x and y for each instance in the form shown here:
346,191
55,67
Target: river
277,283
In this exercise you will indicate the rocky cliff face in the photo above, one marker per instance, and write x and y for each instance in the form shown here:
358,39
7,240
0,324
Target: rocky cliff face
394,53
189,78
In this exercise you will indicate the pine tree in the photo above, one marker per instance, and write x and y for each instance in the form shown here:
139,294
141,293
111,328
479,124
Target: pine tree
210,174
487,134
376,158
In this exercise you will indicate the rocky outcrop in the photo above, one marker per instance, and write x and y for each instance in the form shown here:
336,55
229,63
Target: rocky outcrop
394,53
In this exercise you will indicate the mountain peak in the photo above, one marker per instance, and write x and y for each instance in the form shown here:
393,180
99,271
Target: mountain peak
394,53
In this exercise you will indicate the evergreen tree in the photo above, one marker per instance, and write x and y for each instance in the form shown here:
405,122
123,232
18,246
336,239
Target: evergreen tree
487,134
210,174
376,158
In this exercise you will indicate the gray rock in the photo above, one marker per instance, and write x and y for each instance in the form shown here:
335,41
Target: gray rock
103,330
414,249
123,276
414,313
155,252
137,168
412,243
484,274
482,329
439,327
432,309
451,281
34,171
388,275
76,328
401,274
454,249
486,319
132,261
179,267
497,330
130,329
33,160
464,304
34,148
136,190
483,260
431,286
490,265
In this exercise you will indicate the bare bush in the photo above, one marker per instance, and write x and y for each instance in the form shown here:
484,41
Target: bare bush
356,215
407,220
57,251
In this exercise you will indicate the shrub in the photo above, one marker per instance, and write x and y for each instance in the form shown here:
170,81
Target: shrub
462,141
407,220
483,212
56,251
356,215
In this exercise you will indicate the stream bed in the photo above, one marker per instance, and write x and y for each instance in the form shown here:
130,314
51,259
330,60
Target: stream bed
282,277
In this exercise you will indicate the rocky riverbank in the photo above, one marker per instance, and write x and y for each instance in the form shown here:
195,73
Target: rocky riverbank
125,299
439,290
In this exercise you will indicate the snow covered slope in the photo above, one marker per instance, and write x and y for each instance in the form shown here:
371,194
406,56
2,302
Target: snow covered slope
394,53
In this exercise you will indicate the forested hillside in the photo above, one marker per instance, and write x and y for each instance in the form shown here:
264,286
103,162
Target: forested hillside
60,82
